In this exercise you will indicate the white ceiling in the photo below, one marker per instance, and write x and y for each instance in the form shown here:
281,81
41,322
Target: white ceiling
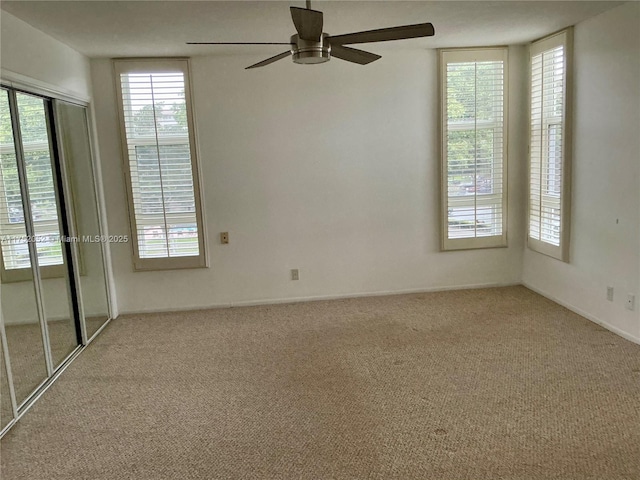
161,28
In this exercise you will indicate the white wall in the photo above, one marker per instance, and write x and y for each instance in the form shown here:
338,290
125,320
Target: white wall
605,227
331,169
29,52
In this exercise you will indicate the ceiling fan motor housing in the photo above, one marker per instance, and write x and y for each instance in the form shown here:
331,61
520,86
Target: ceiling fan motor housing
310,52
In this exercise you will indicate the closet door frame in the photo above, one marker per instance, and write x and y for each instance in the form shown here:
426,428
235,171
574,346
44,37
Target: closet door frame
67,229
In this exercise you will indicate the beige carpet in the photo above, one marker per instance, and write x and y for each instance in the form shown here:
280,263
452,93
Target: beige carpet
482,384
27,354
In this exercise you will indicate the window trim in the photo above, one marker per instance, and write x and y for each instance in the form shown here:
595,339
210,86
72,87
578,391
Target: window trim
475,54
564,38
148,65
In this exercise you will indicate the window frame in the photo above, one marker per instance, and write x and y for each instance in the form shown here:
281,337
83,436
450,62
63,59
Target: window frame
562,38
459,55
162,65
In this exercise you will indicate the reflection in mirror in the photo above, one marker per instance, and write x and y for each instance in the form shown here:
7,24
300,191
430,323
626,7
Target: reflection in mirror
45,213
6,411
77,156
19,307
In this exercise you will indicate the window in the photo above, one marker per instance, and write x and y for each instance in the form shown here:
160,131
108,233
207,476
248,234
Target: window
161,164
549,146
473,121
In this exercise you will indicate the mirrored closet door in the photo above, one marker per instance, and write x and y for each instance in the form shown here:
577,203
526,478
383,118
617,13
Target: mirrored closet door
53,289
86,228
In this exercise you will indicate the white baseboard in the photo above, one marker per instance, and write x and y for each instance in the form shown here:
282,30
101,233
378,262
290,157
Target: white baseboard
584,314
315,298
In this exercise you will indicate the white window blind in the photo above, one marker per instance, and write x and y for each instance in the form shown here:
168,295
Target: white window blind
473,103
549,147
40,182
159,149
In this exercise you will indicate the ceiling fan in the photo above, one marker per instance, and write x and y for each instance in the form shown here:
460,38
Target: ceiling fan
311,45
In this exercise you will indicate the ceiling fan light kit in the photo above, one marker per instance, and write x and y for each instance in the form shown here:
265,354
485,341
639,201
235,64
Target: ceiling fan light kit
309,52
312,46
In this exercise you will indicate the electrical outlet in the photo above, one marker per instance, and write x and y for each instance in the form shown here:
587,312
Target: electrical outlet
224,238
294,274
631,302
610,294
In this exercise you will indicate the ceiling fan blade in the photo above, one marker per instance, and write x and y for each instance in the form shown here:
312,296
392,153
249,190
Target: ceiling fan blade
384,34
238,43
275,58
353,55
308,23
